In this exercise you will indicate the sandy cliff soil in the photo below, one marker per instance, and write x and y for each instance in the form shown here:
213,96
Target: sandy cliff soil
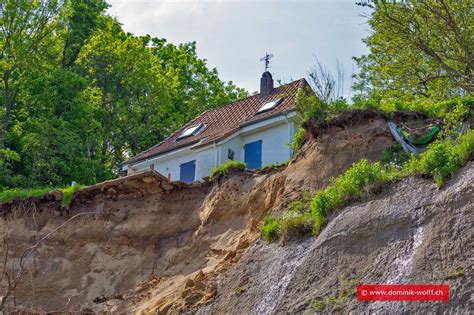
413,233
144,245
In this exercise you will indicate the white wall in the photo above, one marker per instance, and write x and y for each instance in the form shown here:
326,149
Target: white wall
235,144
275,133
274,143
170,164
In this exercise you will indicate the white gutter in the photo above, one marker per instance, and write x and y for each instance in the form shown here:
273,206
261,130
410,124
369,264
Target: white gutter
159,157
290,133
216,158
245,129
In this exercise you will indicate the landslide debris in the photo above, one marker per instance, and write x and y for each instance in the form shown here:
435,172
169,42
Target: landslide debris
413,233
142,244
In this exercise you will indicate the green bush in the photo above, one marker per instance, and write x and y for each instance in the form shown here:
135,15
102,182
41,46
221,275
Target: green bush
68,192
443,158
300,205
454,119
432,109
228,166
270,228
395,154
354,182
298,139
294,225
309,214
311,107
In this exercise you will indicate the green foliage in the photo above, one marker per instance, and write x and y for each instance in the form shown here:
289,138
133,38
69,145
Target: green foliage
354,182
443,158
309,214
275,165
79,95
293,225
68,192
460,107
395,154
83,18
441,161
316,305
228,166
300,205
298,139
456,273
269,229
346,290
455,117
8,160
419,50
296,206
10,194
311,107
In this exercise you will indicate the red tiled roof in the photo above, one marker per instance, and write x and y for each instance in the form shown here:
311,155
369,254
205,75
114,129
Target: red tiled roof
224,121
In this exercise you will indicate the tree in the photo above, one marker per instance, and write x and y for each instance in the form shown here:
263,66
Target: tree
55,130
24,27
195,88
145,88
79,95
418,49
126,90
85,16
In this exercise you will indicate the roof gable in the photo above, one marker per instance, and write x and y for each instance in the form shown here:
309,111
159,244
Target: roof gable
224,121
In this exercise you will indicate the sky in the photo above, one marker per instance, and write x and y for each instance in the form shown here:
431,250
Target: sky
232,35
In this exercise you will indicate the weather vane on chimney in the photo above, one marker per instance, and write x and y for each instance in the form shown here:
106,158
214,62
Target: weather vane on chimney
267,60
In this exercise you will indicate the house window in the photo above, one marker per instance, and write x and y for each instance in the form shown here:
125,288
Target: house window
230,154
269,106
253,154
187,171
191,131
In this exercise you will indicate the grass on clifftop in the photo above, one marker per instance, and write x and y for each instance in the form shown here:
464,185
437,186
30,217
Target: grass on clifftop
441,161
9,195
275,165
68,192
228,166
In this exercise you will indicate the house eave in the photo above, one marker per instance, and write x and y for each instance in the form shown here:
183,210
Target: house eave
200,143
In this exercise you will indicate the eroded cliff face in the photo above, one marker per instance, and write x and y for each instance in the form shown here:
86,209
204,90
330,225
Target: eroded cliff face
141,244
413,233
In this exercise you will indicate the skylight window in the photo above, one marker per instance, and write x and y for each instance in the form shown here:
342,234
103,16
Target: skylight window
191,131
269,106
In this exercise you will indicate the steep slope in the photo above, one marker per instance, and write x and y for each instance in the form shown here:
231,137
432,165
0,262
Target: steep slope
413,233
141,244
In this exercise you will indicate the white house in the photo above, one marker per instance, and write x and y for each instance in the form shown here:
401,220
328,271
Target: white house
256,130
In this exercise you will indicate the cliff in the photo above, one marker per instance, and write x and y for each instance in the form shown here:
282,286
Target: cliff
141,244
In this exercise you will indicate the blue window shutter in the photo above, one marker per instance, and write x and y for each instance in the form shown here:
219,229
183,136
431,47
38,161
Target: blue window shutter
253,154
187,172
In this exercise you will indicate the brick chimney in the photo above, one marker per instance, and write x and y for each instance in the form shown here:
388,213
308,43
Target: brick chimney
266,84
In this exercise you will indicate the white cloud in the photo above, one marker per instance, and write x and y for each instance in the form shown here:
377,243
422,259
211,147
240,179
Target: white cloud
233,35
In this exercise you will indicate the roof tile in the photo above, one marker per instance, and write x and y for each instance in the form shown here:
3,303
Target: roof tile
224,121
